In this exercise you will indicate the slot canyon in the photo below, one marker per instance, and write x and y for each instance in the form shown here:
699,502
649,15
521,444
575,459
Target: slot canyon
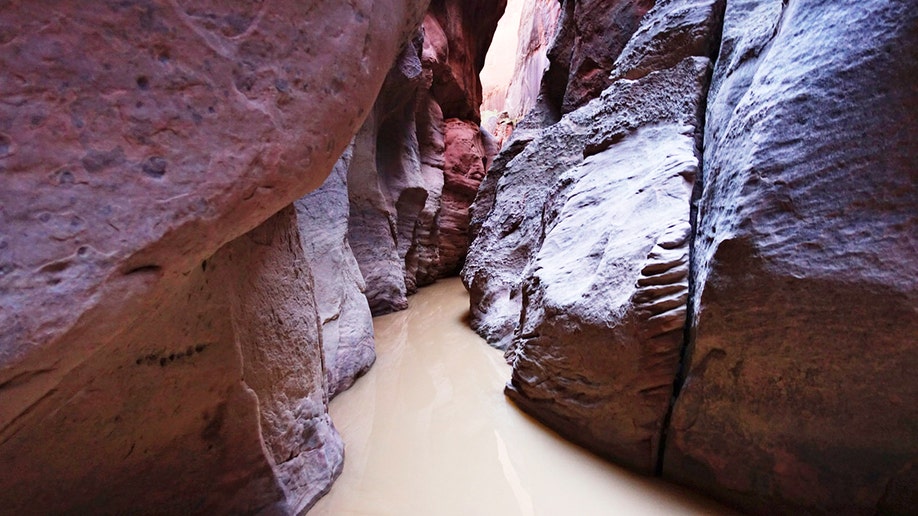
669,242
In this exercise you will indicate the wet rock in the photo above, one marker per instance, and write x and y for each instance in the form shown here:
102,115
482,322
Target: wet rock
797,386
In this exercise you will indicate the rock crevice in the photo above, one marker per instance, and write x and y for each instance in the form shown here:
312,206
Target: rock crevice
724,358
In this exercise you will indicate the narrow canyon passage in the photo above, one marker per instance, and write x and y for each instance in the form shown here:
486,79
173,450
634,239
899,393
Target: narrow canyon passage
429,431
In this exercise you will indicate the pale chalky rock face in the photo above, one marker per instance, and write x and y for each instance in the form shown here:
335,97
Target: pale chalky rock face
136,139
801,385
595,267
347,325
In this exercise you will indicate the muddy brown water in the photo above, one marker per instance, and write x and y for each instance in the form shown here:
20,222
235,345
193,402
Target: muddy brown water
428,431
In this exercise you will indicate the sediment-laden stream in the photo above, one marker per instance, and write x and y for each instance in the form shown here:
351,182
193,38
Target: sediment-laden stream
429,432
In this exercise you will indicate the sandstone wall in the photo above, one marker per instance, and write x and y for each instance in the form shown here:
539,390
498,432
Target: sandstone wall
538,25
139,365
591,34
347,325
581,265
805,327
709,284
420,156
512,96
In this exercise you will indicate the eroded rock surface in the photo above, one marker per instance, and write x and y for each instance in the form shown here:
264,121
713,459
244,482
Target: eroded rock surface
347,325
419,158
511,93
801,322
591,35
797,389
386,189
139,366
468,155
587,280
213,401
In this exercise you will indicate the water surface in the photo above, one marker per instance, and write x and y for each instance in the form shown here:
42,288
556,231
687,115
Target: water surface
428,431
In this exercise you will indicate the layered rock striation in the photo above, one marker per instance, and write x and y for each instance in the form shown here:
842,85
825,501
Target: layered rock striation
698,271
805,327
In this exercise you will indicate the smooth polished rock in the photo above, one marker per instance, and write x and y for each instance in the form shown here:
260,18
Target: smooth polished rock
347,325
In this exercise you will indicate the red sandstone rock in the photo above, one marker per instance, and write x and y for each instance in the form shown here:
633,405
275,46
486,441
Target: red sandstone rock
538,27
413,174
462,32
468,155
136,139
592,34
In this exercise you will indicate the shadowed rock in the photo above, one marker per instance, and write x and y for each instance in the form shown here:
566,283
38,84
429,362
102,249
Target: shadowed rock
139,365
806,335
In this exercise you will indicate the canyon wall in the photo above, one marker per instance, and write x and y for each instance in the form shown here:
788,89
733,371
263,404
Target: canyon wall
693,248
513,79
580,267
804,311
420,156
161,325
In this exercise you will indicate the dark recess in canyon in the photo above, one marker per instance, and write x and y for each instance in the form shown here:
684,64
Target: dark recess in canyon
697,249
